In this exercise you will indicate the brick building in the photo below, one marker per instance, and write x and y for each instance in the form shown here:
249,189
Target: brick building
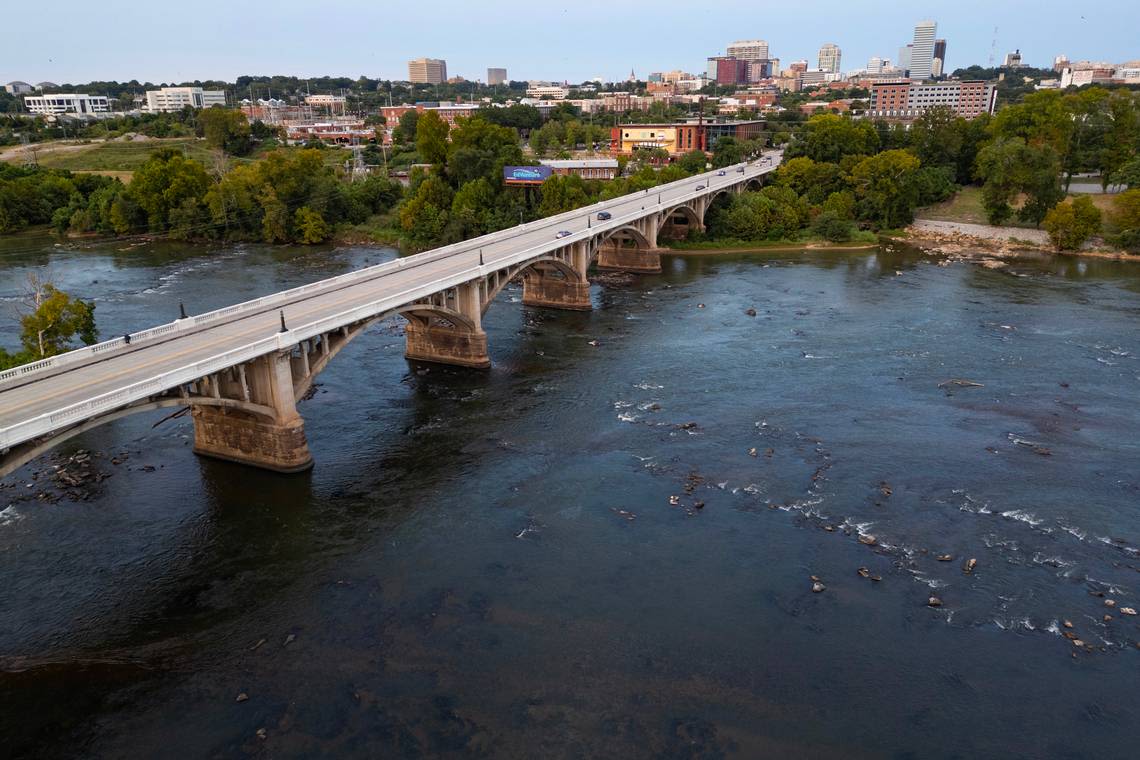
906,101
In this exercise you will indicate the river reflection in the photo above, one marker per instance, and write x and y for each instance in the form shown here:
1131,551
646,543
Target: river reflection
603,545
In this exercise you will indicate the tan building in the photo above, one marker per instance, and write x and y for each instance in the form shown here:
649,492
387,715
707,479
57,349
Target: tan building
679,138
496,76
427,71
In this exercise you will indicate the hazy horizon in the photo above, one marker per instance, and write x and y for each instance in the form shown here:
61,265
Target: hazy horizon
117,41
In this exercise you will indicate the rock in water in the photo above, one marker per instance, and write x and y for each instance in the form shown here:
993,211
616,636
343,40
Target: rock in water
968,568
1127,611
933,602
242,697
817,587
868,540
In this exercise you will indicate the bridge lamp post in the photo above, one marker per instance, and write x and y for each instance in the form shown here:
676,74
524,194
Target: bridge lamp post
181,310
283,329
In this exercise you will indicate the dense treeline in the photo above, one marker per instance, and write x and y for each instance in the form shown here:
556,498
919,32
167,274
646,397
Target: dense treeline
289,196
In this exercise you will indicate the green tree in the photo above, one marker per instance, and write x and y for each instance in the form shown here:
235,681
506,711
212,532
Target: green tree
54,320
425,216
1073,222
1041,183
1126,216
829,137
166,181
472,208
562,193
936,138
405,131
999,167
886,186
431,138
1129,174
225,129
832,227
694,162
813,179
311,226
727,151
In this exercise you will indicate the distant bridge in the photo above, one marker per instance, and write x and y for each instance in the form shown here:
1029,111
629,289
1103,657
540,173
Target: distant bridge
242,369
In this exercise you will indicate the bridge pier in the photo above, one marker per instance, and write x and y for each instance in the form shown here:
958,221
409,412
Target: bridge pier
458,340
633,249
236,435
627,259
549,287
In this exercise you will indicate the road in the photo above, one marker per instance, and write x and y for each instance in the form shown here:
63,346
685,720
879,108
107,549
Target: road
33,397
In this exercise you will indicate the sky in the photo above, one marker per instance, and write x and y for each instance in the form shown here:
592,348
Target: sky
77,41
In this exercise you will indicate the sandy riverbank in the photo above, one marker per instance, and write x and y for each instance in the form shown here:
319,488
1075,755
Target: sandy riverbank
976,242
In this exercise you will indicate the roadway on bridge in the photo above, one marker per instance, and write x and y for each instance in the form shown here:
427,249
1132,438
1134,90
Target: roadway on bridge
124,367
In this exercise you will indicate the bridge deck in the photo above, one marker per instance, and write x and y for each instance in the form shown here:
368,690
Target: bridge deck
89,379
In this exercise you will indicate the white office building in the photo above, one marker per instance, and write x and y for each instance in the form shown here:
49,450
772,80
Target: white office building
547,91
922,50
73,104
18,88
169,99
749,50
829,57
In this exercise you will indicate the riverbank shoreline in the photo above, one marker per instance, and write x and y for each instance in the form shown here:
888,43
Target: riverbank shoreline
970,242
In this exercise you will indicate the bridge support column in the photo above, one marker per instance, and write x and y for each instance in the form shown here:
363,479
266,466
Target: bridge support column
276,444
549,286
441,341
623,259
641,256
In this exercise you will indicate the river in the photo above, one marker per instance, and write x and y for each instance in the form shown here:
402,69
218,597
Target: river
604,545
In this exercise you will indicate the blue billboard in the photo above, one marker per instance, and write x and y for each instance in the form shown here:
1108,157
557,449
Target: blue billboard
526,175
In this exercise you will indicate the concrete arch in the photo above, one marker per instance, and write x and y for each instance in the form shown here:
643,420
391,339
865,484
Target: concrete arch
638,236
668,228
20,455
424,313
529,268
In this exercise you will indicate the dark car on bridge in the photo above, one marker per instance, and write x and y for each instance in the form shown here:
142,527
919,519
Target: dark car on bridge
700,187
563,233
720,173
604,215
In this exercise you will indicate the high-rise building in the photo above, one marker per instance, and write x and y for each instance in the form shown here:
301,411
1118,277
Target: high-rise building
875,65
829,57
1013,60
922,52
496,76
1060,63
724,69
904,57
940,53
749,50
427,71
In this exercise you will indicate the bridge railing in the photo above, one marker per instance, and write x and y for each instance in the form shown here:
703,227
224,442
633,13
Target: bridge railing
52,365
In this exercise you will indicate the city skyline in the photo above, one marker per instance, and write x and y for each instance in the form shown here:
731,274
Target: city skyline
540,43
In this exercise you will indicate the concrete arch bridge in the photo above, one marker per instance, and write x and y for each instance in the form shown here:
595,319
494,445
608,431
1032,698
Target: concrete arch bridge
242,369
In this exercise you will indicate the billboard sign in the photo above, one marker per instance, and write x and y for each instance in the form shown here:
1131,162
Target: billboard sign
526,175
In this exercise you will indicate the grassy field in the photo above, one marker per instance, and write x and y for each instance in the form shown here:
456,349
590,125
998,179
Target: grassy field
115,156
120,159
965,206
